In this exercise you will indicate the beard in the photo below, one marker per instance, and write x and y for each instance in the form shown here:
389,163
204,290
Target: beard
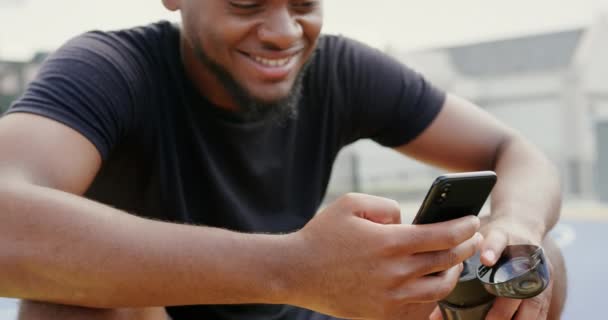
251,108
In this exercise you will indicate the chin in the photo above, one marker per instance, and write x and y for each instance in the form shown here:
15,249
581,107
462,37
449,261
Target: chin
269,97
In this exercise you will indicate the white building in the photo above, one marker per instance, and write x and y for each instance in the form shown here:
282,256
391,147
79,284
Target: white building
14,77
551,87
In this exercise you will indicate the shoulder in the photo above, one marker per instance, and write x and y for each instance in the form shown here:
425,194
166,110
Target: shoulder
343,58
133,47
98,83
347,65
121,63
346,50
338,44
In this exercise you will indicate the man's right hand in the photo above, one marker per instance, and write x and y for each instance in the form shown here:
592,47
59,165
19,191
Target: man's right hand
355,259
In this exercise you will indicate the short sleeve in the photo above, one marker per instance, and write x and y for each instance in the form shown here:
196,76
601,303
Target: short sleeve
387,101
88,85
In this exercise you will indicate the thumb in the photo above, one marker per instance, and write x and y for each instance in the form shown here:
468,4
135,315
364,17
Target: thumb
379,210
372,208
492,247
391,215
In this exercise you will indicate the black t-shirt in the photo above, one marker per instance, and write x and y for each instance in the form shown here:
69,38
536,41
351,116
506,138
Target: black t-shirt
169,154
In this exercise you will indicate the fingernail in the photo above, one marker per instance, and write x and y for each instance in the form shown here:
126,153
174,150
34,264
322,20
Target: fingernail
490,255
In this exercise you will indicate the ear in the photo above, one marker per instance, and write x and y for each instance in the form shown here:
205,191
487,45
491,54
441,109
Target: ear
172,5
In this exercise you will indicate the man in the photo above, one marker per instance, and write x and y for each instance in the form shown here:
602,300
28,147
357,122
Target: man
161,170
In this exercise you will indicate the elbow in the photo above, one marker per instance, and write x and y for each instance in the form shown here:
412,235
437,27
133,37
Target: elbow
505,143
515,148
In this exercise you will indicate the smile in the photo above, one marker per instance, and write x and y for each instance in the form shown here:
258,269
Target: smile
274,63
272,67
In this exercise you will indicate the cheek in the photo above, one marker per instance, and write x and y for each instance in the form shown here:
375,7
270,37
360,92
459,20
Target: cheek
191,29
222,40
311,27
203,30
313,24
211,42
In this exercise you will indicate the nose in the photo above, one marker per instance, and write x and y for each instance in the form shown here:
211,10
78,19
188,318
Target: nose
280,30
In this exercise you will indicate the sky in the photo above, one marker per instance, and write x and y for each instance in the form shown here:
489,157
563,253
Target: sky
30,25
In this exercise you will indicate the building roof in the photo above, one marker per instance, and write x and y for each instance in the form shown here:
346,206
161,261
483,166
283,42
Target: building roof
543,52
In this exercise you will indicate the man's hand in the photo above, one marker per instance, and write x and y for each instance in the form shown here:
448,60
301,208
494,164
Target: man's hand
500,232
355,260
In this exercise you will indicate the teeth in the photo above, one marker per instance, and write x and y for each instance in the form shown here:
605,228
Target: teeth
272,62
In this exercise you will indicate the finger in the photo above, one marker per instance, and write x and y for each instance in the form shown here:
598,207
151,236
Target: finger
439,261
375,209
537,307
431,288
492,247
544,311
503,308
436,236
530,309
436,314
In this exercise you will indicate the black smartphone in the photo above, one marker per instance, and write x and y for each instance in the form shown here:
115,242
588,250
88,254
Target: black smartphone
455,195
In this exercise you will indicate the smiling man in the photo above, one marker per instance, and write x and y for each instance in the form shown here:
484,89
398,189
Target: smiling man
176,171
247,57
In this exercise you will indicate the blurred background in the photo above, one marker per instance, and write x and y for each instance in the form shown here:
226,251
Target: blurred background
541,66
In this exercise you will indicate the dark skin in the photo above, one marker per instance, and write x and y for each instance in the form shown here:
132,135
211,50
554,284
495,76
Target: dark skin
274,30
263,44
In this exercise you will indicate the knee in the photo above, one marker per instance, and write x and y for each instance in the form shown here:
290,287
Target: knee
30,310
559,276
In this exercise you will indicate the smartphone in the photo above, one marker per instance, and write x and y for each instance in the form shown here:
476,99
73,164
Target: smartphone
455,195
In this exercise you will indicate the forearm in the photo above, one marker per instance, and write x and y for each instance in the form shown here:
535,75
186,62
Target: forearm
61,248
528,187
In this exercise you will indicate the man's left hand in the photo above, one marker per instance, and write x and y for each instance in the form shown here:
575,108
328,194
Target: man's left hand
498,233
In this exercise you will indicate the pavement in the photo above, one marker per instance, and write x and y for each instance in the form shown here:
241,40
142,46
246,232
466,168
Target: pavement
581,233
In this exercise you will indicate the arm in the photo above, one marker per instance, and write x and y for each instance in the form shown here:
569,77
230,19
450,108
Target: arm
59,247
464,137
526,199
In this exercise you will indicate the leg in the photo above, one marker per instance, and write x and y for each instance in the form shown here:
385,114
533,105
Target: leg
560,278
30,310
422,311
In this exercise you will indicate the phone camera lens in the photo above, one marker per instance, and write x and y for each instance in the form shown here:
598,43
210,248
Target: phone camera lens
441,199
